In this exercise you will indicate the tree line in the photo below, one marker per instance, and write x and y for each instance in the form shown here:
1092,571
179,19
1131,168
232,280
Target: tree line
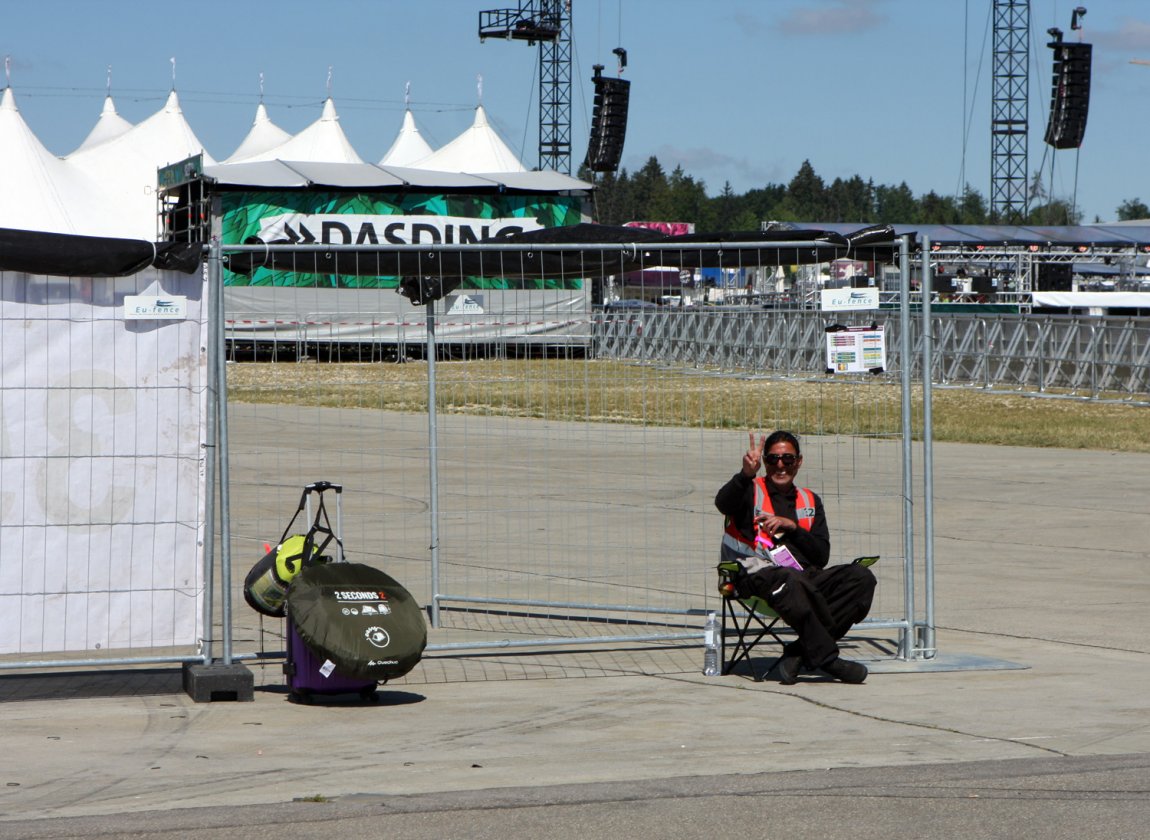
650,194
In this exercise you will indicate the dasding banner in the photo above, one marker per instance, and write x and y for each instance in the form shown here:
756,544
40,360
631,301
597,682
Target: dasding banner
387,219
362,229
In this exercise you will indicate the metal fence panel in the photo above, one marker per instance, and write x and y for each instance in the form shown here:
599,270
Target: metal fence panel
566,497
102,458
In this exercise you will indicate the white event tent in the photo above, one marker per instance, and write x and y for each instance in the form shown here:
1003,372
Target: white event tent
125,168
109,126
38,191
107,185
409,145
322,141
479,149
263,135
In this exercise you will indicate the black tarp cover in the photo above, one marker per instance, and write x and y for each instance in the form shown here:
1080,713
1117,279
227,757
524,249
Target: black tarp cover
1118,235
586,251
68,255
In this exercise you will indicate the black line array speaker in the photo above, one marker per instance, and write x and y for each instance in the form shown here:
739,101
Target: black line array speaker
982,284
608,122
1069,95
1055,277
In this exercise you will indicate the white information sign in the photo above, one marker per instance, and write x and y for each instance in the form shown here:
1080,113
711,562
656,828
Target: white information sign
856,350
156,307
849,300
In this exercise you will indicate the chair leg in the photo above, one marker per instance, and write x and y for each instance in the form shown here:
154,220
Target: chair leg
747,636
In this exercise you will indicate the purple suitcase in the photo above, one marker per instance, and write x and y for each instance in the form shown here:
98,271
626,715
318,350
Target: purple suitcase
308,674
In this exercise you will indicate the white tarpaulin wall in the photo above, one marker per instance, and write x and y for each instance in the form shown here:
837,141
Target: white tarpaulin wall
102,431
286,314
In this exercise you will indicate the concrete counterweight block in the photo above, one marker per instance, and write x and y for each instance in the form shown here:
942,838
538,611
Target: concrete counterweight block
209,683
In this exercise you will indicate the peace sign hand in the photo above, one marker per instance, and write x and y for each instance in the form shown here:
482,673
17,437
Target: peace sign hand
753,460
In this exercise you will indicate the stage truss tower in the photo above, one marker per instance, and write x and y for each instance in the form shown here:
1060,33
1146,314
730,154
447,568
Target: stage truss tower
548,23
1009,182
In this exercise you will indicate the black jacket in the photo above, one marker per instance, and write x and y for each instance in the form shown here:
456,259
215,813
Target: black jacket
736,499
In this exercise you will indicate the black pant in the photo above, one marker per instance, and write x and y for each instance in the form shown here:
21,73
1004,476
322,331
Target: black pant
820,605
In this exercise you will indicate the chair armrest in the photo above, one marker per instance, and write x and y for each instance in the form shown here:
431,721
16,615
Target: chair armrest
728,571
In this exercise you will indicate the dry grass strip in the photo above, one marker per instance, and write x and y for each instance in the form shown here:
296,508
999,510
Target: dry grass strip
621,392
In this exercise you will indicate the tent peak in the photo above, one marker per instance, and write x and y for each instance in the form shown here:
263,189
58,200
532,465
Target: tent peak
109,126
408,146
261,137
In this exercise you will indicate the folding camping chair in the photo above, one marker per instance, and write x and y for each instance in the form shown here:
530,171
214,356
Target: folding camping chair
757,622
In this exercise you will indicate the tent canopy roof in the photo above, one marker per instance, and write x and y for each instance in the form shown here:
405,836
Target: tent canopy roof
322,140
991,236
409,145
478,149
39,191
109,126
292,174
262,136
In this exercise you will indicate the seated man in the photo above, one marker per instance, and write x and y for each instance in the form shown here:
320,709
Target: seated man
778,534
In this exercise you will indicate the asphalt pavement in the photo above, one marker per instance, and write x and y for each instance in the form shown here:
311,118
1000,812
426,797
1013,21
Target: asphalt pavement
1032,720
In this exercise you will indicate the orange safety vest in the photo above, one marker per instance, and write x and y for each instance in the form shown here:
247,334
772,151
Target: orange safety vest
735,545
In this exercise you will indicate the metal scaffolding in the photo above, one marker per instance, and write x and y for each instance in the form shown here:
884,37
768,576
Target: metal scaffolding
547,22
1008,119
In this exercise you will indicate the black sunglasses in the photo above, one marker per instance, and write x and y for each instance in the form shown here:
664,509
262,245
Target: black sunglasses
787,458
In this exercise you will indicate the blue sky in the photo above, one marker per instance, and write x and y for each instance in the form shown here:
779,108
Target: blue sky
738,91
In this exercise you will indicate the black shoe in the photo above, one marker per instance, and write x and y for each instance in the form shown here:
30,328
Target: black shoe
846,671
788,668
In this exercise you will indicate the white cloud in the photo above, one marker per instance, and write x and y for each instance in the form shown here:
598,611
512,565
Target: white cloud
835,18
1133,36
715,168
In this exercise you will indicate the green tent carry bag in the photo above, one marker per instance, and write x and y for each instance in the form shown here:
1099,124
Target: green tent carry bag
360,618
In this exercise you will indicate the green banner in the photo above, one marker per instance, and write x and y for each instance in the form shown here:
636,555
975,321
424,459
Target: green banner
386,218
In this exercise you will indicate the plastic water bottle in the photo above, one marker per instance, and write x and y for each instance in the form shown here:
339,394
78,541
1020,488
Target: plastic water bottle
711,630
